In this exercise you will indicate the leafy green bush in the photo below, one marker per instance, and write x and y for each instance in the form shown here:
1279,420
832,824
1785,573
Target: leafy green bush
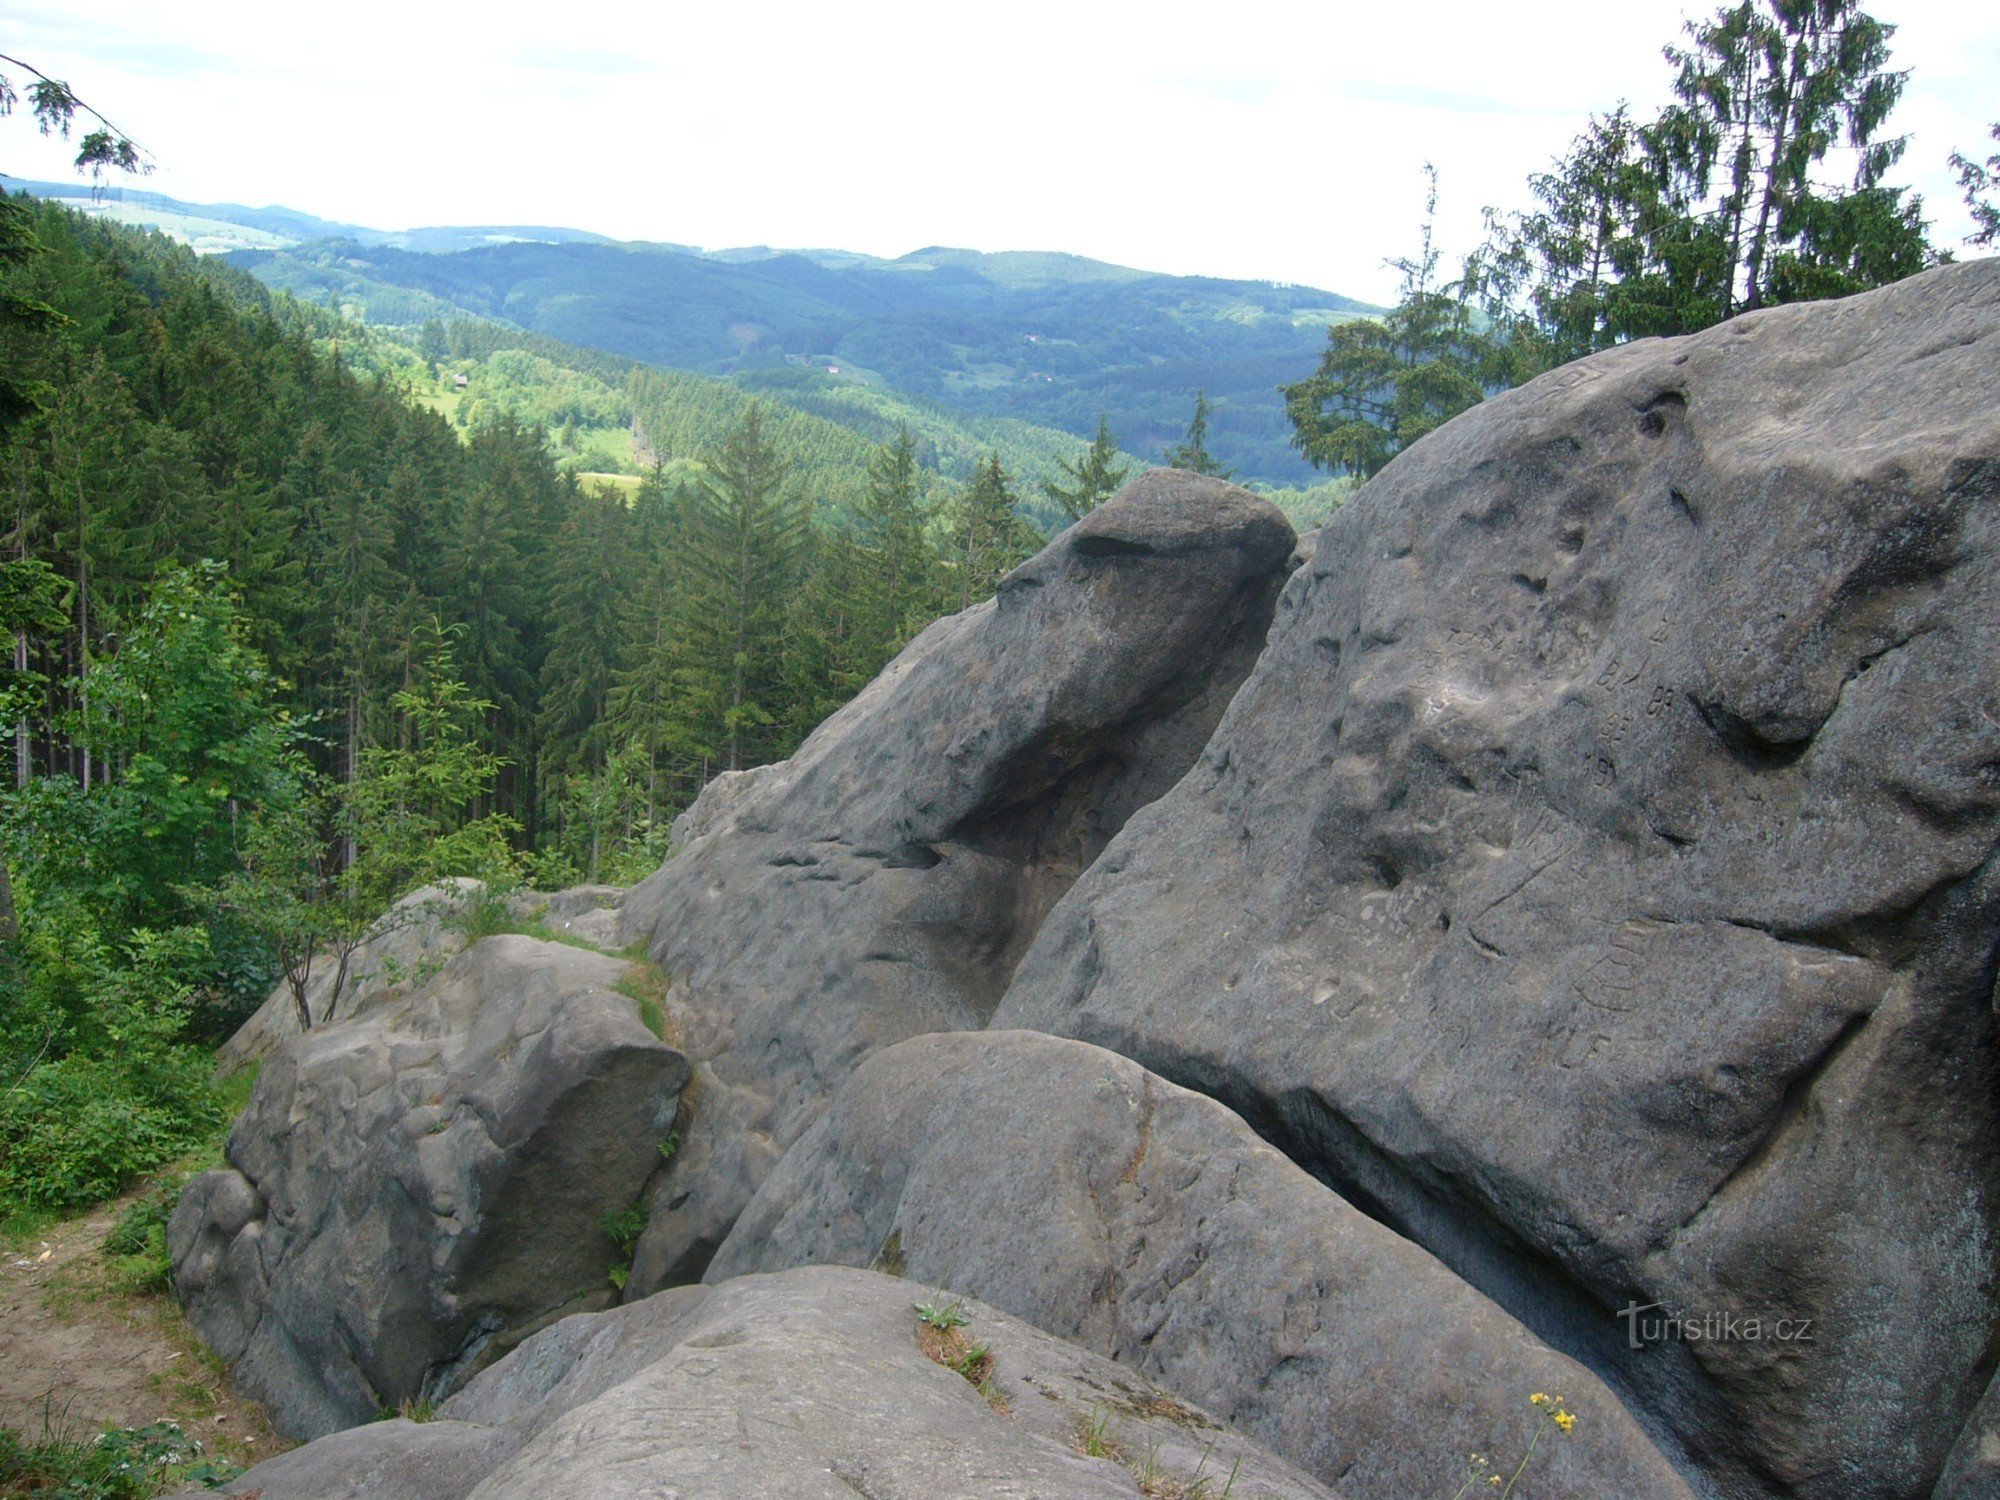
76,1130
624,1228
137,1247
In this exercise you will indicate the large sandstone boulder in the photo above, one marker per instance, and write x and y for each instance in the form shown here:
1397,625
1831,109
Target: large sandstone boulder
1596,878
415,1189
806,1385
406,946
1074,1189
883,882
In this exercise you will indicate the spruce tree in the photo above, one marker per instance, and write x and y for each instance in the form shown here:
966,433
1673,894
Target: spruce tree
639,707
897,584
1766,89
1095,477
1979,181
589,573
988,536
1192,453
743,535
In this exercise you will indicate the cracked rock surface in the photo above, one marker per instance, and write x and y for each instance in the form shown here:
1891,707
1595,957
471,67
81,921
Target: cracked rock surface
413,1190
1074,1189
805,1385
883,881
1595,879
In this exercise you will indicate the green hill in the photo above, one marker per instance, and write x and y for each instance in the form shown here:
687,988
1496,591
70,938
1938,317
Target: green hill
1017,351
1046,340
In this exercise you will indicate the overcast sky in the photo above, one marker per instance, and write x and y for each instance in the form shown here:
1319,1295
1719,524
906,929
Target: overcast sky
1250,139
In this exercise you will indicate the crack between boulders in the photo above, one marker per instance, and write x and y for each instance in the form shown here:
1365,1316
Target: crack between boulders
1533,1288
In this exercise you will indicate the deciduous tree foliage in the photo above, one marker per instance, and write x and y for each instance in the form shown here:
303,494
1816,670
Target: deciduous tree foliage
1382,385
1719,205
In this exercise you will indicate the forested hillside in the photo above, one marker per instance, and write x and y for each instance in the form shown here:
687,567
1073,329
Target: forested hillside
1048,340
281,641
609,418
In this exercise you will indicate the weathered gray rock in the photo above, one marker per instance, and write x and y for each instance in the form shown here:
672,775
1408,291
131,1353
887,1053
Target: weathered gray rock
803,1385
411,942
1972,1472
413,1190
883,882
585,913
393,1460
1596,877
1074,1189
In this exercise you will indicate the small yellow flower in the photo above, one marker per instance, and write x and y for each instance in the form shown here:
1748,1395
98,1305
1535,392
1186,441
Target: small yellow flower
1565,1421
1539,1399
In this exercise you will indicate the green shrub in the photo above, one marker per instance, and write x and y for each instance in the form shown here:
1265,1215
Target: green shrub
624,1228
76,1130
137,1247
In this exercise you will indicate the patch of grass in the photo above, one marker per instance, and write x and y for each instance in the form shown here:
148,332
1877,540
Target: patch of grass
489,914
646,986
123,1463
1158,1405
889,1259
941,1335
136,1248
941,1315
484,915
417,1409
1094,1439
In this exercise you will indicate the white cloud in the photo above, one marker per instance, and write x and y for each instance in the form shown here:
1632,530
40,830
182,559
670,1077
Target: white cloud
1260,139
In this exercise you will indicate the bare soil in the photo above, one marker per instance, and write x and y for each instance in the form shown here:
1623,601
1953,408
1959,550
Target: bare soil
82,1350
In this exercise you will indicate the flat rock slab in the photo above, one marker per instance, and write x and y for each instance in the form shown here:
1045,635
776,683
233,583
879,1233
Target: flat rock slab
883,882
1074,1189
804,1385
412,1191
1596,877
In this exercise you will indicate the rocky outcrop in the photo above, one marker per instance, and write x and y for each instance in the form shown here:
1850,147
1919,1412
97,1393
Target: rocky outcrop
810,1384
1596,878
1567,962
413,1190
1074,1189
882,882
408,945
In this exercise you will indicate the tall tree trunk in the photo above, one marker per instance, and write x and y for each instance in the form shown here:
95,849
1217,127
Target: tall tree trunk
1780,136
348,849
10,928
22,752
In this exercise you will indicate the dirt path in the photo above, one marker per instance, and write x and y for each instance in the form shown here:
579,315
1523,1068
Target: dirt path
84,1351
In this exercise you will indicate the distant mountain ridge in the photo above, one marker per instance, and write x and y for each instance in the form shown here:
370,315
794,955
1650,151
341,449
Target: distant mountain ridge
1043,337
